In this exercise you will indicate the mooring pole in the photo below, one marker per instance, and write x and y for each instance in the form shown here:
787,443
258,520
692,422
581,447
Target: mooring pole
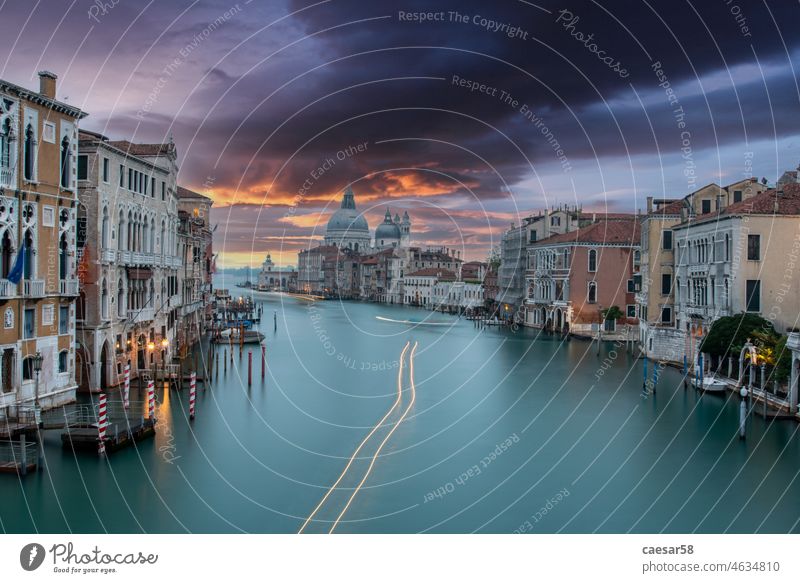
263,361
249,368
743,414
644,374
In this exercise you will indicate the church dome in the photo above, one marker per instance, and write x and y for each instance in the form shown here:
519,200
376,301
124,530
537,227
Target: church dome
347,225
387,232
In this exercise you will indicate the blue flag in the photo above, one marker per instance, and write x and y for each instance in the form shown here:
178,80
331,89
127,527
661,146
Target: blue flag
19,264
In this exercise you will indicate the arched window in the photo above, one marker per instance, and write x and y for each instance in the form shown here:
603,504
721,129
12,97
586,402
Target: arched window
129,245
29,154
120,299
592,295
104,299
66,162
152,243
5,144
28,373
121,231
727,248
62,361
592,260
27,262
104,229
162,240
63,258
6,252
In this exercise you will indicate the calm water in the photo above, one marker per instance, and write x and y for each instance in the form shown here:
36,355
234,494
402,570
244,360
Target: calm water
509,431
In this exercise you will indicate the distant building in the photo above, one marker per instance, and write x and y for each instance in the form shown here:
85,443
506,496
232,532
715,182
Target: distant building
273,278
419,286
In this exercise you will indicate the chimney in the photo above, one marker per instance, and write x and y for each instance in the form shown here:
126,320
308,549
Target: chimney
649,204
719,201
47,84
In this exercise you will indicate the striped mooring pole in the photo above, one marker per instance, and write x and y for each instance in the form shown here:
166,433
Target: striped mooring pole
126,387
102,423
151,399
192,393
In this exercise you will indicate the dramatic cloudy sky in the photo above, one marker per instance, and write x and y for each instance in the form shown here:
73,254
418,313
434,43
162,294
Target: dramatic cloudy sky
258,95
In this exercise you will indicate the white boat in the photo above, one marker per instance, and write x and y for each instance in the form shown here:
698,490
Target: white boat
711,385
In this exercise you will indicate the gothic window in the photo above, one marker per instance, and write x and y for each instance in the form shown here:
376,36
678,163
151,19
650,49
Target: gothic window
66,163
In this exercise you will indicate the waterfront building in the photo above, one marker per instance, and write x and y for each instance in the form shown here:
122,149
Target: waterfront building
739,259
419,285
565,219
196,268
129,258
450,295
38,237
329,271
659,336
273,278
473,271
578,274
347,227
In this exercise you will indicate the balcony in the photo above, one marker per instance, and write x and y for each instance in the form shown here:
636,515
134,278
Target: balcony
33,288
125,257
143,258
141,315
7,289
7,177
68,287
175,301
108,255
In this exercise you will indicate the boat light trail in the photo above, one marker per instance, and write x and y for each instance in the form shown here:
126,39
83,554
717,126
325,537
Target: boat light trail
363,441
385,439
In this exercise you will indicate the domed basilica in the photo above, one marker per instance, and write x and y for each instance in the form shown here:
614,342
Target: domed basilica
348,228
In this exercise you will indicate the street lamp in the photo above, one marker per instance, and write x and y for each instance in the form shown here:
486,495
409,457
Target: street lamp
164,346
37,360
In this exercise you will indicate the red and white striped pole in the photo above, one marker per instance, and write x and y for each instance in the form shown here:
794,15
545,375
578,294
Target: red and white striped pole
102,423
151,399
126,387
192,393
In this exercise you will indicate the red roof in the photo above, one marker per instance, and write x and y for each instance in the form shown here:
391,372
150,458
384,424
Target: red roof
584,215
614,232
144,149
787,199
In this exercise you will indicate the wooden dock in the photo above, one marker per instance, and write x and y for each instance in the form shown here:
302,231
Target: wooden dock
19,456
118,435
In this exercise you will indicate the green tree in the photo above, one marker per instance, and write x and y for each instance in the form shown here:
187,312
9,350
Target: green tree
729,333
612,313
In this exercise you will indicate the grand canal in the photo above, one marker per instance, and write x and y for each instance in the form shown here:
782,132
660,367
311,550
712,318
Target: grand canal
507,431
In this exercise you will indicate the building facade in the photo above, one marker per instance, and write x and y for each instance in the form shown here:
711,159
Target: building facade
740,260
659,335
38,238
196,269
578,274
129,259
